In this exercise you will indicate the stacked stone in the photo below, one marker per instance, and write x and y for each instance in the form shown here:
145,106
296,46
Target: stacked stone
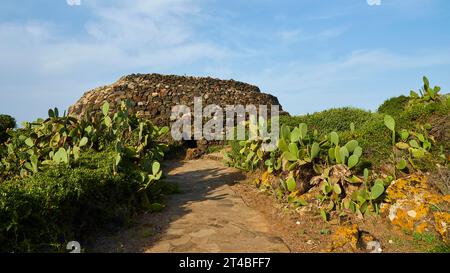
154,95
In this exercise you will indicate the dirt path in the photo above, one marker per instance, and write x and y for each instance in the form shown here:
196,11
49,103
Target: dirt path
208,216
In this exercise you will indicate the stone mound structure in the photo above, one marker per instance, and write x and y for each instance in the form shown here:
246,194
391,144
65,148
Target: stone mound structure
154,95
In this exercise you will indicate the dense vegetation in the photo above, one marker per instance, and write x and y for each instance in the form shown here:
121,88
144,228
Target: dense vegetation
394,106
6,122
414,112
338,119
346,158
63,178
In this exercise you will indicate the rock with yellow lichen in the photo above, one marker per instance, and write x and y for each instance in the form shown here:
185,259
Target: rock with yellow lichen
350,238
442,220
265,181
265,178
414,206
345,238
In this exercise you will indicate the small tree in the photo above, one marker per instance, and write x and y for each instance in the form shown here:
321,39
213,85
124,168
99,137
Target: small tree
6,122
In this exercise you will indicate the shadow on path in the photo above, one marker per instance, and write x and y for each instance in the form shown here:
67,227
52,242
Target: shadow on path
207,216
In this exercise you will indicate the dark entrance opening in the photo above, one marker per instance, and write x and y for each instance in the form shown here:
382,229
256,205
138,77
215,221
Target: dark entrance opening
190,144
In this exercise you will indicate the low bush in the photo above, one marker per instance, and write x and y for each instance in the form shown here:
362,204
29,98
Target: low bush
62,178
368,129
61,204
308,162
338,119
394,106
374,138
421,113
41,212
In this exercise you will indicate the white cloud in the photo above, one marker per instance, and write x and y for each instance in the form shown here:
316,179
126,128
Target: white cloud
128,34
374,2
123,37
73,2
297,35
143,23
113,38
289,35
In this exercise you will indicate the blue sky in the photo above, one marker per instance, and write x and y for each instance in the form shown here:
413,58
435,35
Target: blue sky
311,54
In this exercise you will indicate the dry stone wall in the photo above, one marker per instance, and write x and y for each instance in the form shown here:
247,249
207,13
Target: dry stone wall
154,95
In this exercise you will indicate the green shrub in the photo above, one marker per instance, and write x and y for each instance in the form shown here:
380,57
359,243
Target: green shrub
337,119
304,160
394,106
43,143
369,130
416,138
375,139
61,178
6,122
62,203
421,112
